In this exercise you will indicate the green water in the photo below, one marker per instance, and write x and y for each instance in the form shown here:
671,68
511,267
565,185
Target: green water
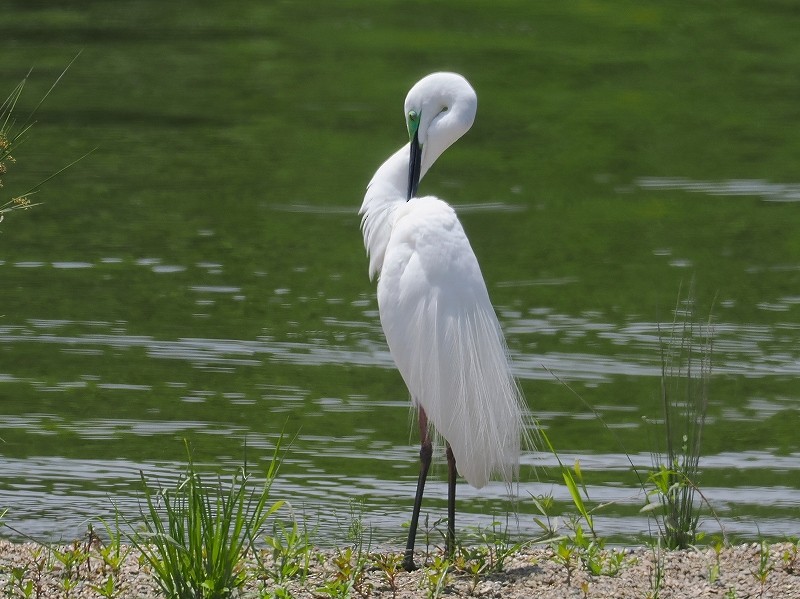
201,275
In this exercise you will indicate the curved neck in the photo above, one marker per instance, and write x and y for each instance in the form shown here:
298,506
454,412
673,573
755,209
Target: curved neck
391,178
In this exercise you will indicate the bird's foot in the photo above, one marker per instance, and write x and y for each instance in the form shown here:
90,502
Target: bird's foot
408,563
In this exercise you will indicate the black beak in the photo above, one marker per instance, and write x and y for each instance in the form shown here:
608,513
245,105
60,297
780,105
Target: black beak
414,166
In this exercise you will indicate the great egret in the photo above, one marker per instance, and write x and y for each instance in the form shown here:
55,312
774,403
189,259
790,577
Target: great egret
434,307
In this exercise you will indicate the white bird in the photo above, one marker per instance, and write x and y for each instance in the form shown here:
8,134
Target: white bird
434,308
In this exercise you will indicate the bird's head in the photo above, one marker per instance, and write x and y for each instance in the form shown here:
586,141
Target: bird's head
439,109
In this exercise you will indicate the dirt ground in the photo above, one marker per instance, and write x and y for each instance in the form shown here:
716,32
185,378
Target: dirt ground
738,572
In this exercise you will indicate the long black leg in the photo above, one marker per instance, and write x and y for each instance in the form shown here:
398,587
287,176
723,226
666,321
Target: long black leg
425,454
450,541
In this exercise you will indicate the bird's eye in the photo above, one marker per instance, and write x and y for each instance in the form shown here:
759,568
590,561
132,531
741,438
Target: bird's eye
413,116
444,109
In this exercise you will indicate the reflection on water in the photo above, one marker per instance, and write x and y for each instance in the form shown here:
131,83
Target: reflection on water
351,455
55,498
39,487
771,192
749,350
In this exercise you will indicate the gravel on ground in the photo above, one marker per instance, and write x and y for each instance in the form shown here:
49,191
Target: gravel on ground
742,571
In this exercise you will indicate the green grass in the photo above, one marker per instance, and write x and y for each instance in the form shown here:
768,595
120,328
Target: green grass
685,378
196,536
672,495
12,135
291,551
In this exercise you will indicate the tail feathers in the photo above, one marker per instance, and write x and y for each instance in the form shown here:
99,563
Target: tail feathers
460,375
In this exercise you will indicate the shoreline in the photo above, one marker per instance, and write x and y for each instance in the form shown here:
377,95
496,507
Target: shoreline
734,572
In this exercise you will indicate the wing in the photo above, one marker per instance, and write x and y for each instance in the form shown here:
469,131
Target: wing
446,341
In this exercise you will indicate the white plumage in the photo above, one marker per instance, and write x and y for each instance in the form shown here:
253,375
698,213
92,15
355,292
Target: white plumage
444,337
440,326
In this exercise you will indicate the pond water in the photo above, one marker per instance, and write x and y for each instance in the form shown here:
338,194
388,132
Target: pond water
201,275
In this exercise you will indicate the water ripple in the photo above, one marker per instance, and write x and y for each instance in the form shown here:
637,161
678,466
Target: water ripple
772,192
747,350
